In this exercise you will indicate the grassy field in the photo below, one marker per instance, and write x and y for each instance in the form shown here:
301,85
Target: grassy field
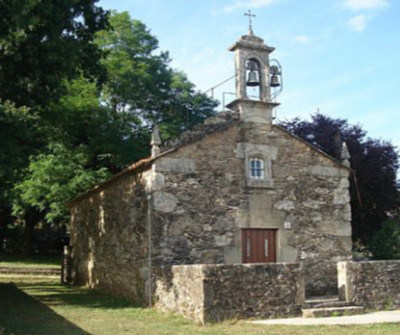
40,305
30,261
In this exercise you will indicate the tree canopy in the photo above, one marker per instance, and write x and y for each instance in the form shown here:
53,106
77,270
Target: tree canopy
142,84
79,93
44,42
373,186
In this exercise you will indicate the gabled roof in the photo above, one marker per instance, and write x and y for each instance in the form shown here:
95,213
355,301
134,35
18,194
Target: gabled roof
189,137
137,166
197,134
313,147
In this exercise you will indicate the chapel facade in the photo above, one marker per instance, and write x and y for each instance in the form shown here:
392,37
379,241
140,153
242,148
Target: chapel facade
238,189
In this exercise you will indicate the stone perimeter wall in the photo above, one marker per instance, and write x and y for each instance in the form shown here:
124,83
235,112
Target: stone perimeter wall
373,284
212,293
180,289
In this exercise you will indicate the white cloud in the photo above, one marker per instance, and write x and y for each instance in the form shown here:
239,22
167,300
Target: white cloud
358,23
366,4
239,4
302,39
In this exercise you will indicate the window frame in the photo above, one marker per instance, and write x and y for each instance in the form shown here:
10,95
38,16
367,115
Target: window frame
256,168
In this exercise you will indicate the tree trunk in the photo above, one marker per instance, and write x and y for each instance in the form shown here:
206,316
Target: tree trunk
4,217
32,218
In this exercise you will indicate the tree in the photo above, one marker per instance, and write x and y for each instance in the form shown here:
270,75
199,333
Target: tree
86,131
16,133
113,138
54,178
186,107
43,42
141,83
18,141
373,188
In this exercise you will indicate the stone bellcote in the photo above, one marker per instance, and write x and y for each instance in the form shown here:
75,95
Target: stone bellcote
251,52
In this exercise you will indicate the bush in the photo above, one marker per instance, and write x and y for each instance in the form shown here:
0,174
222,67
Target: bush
385,244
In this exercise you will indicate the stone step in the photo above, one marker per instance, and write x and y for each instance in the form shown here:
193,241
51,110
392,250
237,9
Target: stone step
321,302
331,311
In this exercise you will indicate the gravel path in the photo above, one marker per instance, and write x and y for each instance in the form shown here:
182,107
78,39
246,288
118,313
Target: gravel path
376,317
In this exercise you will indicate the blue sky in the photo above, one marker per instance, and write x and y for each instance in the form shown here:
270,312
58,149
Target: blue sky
340,57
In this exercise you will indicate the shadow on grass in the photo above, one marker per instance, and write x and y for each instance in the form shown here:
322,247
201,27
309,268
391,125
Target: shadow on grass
20,314
53,294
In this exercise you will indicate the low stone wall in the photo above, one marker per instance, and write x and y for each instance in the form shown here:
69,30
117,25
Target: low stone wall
210,293
180,289
373,284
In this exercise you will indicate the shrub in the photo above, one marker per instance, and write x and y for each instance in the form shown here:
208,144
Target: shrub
385,244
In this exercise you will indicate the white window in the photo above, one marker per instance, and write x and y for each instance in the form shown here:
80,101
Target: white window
256,168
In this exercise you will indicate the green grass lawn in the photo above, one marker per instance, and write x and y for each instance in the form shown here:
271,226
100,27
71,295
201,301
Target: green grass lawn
35,261
40,305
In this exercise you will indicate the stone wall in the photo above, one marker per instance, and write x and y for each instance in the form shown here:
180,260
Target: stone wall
373,284
109,237
211,293
196,211
180,289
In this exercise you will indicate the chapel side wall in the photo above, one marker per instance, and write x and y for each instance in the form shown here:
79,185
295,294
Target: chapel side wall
109,238
373,284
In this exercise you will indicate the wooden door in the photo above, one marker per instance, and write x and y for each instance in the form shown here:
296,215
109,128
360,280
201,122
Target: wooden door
258,245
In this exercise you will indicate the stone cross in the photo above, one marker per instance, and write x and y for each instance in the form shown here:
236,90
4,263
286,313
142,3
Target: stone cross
250,22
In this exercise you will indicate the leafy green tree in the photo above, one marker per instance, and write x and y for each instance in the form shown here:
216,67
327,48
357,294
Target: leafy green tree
141,83
17,139
112,138
85,132
373,188
186,107
43,42
138,75
18,142
385,244
54,178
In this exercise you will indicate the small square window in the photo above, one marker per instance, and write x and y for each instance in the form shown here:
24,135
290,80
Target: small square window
256,168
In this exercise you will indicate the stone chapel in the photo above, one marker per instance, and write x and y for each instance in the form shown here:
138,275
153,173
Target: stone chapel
237,189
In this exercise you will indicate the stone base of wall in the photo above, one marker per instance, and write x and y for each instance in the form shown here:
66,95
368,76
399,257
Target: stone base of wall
211,293
372,284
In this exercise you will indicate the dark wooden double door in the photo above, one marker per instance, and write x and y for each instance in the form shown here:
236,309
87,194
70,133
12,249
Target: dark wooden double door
258,245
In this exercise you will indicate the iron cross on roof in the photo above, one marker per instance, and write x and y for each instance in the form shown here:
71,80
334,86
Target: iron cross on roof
250,21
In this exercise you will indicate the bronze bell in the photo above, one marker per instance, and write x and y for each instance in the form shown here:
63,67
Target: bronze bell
252,79
275,81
